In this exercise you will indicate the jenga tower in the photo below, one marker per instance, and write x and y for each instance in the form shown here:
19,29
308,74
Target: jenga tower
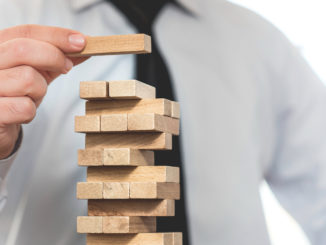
124,124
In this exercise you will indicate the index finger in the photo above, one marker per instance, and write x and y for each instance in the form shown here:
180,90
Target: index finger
65,39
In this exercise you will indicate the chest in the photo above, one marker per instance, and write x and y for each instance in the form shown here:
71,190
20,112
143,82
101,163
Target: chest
219,80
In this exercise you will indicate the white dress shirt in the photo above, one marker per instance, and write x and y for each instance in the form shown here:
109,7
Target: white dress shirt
252,109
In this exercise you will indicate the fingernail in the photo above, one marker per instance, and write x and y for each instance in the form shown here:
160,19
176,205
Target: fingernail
68,64
77,40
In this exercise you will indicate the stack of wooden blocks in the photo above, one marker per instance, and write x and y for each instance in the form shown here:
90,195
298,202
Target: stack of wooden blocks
124,124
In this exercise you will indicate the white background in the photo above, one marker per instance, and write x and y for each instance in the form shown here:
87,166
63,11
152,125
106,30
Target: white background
304,23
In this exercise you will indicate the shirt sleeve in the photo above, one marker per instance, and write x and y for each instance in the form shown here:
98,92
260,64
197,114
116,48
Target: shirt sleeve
5,165
4,168
297,175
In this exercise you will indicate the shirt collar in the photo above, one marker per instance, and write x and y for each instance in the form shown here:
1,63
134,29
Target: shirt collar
79,5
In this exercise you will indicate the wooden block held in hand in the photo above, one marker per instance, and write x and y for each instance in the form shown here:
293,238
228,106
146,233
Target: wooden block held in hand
133,174
88,190
131,207
118,44
115,190
128,157
86,224
126,224
94,90
142,141
135,239
175,111
90,157
131,89
151,122
85,124
155,190
157,106
114,123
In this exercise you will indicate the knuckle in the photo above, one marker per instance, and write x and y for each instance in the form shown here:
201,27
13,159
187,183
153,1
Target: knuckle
12,108
33,81
19,110
58,58
28,76
28,108
43,88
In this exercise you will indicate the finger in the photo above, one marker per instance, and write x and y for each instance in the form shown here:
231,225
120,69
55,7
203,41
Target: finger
65,39
22,81
38,54
8,138
16,110
50,76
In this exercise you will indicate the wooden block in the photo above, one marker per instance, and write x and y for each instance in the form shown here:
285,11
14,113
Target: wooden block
133,174
151,122
131,89
126,224
154,190
90,157
131,207
94,90
157,106
87,224
118,44
128,157
114,123
115,224
115,157
175,111
143,141
125,190
88,190
177,238
116,190
84,124
135,239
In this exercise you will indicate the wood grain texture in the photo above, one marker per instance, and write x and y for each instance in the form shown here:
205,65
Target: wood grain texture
157,106
91,90
154,190
128,157
86,224
128,190
126,224
177,238
118,44
131,207
116,190
87,190
115,157
175,111
90,157
150,122
135,239
142,141
134,174
131,89
115,224
114,123
86,124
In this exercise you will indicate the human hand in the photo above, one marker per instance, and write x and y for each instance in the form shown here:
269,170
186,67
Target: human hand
31,57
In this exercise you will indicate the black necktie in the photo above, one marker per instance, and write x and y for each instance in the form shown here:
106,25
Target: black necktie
152,70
